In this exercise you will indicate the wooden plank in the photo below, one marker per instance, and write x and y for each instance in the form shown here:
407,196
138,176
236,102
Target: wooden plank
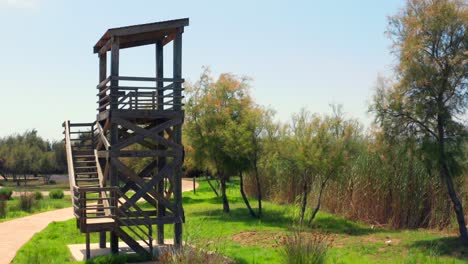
147,79
144,153
154,221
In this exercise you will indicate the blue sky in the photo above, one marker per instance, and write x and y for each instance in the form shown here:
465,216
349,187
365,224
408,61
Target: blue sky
299,53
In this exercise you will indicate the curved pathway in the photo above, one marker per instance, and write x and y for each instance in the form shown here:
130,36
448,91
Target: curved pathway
15,233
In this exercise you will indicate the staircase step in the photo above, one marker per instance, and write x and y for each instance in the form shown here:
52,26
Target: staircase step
86,167
87,179
83,156
86,173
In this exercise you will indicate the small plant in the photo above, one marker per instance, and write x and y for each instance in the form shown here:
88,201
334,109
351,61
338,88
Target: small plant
56,194
305,248
3,208
38,195
27,201
52,182
5,193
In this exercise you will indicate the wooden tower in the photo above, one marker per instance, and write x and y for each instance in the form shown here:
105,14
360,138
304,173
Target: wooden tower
139,121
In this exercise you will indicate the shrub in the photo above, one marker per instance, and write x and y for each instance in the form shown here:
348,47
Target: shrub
56,194
27,201
3,208
52,182
307,248
192,255
5,193
38,195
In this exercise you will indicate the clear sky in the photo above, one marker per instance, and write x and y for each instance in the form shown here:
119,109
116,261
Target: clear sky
299,53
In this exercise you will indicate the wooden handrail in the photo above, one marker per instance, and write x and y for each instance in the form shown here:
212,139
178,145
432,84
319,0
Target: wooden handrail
68,148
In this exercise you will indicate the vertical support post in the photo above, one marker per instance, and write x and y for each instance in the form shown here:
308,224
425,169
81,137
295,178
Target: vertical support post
88,250
177,73
113,173
161,210
102,75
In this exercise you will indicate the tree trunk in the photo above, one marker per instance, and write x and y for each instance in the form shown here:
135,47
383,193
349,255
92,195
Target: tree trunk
445,174
223,194
259,190
246,201
319,200
305,194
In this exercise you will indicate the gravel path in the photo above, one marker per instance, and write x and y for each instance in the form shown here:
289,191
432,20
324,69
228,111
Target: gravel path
15,233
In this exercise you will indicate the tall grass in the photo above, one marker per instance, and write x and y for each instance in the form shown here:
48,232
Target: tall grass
305,248
381,185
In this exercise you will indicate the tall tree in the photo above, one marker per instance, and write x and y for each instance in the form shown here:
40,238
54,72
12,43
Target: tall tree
430,95
214,124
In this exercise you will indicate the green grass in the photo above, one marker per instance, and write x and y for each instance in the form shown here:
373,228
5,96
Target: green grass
36,184
43,205
248,240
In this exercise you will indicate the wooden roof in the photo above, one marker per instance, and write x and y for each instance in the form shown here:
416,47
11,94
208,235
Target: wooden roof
143,34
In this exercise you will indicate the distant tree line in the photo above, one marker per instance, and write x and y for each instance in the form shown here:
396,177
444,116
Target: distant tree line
27,154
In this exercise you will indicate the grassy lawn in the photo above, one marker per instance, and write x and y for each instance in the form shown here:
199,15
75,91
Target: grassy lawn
35,184
46,204
249,240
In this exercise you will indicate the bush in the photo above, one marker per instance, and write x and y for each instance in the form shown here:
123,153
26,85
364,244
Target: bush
27,201
38,195
302,247
56,194
5,193
3,208
188,254
52,182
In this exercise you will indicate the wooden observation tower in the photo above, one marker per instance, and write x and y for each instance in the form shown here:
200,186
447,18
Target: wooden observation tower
140,120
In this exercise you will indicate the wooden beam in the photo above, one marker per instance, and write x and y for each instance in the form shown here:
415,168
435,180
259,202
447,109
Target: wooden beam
177,74
114,137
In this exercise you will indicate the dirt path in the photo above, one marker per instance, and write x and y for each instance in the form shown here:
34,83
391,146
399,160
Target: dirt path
15,233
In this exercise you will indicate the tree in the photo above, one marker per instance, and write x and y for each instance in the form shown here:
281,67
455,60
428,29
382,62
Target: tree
430,94
335,141
214,124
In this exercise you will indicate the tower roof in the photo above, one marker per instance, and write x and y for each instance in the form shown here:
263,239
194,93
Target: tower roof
143,34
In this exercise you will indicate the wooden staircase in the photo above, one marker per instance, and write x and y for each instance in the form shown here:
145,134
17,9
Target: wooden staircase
99,208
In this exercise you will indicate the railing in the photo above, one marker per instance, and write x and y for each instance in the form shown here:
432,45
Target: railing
160,94
81,136
101,208
110,206
68,149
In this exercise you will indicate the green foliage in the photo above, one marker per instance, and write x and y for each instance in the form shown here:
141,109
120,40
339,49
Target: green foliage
52,182
38,195
5,193
29,154
56,194
27,201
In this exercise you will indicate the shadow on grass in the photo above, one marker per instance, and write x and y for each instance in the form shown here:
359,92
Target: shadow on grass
278,218
445,246
338,225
